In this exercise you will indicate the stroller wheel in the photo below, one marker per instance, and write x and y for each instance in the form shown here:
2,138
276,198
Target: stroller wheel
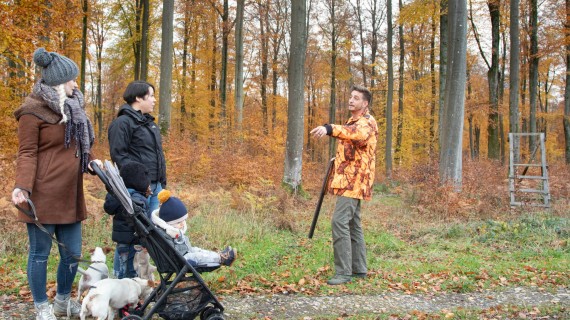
131,317
209,313
216,316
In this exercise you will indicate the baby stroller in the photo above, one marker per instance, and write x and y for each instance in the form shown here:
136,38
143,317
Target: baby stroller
181,293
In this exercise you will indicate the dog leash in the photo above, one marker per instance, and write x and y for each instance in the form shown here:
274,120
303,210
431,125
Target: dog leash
32,214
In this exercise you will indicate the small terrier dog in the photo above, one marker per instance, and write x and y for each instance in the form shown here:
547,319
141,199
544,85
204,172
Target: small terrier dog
109,295
97,270
142,264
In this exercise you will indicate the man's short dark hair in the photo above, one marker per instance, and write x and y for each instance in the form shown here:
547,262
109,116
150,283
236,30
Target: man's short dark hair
365,92
136,89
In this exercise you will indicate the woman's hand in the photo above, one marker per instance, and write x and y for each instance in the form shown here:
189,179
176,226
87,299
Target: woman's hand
97,161
19,196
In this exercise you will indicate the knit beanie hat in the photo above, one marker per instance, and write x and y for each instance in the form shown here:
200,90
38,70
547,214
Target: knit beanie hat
172,210
56,69
135,176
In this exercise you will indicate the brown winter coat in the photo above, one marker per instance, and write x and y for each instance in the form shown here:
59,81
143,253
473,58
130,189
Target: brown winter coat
355,161
45,168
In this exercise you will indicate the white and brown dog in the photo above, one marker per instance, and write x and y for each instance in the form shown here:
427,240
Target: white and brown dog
97,270
109,295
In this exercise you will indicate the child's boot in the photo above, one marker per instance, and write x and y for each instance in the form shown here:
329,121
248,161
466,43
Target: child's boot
228,256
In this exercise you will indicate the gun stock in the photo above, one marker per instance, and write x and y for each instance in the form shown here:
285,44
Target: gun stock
321,197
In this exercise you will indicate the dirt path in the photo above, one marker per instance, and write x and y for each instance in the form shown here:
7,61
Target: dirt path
300,307
305,307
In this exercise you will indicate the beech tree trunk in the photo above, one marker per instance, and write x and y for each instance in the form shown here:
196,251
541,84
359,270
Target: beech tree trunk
137,40
166,66
390,95
514,74
450,164
264,35
432,73
358,12
376,22
533,69
295,108
239,65
493,145
443,17
567,87
224,72
84,45
144,40
332,101
400,124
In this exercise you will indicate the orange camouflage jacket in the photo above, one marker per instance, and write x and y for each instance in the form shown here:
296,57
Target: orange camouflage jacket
355,160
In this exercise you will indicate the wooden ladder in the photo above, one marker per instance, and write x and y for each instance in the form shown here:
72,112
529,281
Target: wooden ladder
528,174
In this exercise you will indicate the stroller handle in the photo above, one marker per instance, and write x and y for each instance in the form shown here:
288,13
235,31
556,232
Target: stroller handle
95,167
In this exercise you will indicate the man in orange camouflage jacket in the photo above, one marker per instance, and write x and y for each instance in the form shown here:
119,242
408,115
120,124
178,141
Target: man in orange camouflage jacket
352,182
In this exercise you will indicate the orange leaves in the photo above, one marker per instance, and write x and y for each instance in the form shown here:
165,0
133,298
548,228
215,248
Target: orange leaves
284,282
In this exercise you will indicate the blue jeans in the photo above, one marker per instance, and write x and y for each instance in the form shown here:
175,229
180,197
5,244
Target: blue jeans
124,254
40,245
155,187
123,266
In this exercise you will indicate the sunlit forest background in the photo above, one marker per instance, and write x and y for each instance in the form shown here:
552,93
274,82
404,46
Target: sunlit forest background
213,140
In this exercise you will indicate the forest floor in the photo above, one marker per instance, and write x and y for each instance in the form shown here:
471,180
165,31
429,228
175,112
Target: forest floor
512,303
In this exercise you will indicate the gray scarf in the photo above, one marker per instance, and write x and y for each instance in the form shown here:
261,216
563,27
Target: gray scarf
77,125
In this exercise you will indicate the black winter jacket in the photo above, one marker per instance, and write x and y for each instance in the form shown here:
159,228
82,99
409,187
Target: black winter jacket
123,229
134,136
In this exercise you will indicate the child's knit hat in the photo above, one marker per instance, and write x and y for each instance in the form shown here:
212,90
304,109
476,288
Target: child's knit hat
56,69
135,176
172,210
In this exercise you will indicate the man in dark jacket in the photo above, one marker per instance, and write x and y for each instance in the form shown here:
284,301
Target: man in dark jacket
134,136
135,177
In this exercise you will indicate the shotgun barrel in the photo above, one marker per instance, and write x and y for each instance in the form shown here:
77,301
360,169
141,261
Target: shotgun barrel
321,197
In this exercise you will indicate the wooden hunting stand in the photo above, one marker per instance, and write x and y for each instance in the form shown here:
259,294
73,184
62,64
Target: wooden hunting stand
528,172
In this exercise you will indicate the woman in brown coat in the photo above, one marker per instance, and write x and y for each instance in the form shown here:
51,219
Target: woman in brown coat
55,139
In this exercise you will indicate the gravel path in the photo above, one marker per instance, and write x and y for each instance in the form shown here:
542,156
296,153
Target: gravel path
299,307
305,307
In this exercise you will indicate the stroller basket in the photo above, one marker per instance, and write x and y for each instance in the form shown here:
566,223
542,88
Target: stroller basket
181,293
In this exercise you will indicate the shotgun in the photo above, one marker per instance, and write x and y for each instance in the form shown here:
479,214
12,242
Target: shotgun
321,197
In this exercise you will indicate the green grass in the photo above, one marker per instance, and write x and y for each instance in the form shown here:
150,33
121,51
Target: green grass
405,253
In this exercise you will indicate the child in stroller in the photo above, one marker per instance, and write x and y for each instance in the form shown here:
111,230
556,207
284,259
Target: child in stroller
171,217
181,293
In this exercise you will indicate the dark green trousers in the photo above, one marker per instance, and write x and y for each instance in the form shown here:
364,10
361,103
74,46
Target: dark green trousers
348,238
